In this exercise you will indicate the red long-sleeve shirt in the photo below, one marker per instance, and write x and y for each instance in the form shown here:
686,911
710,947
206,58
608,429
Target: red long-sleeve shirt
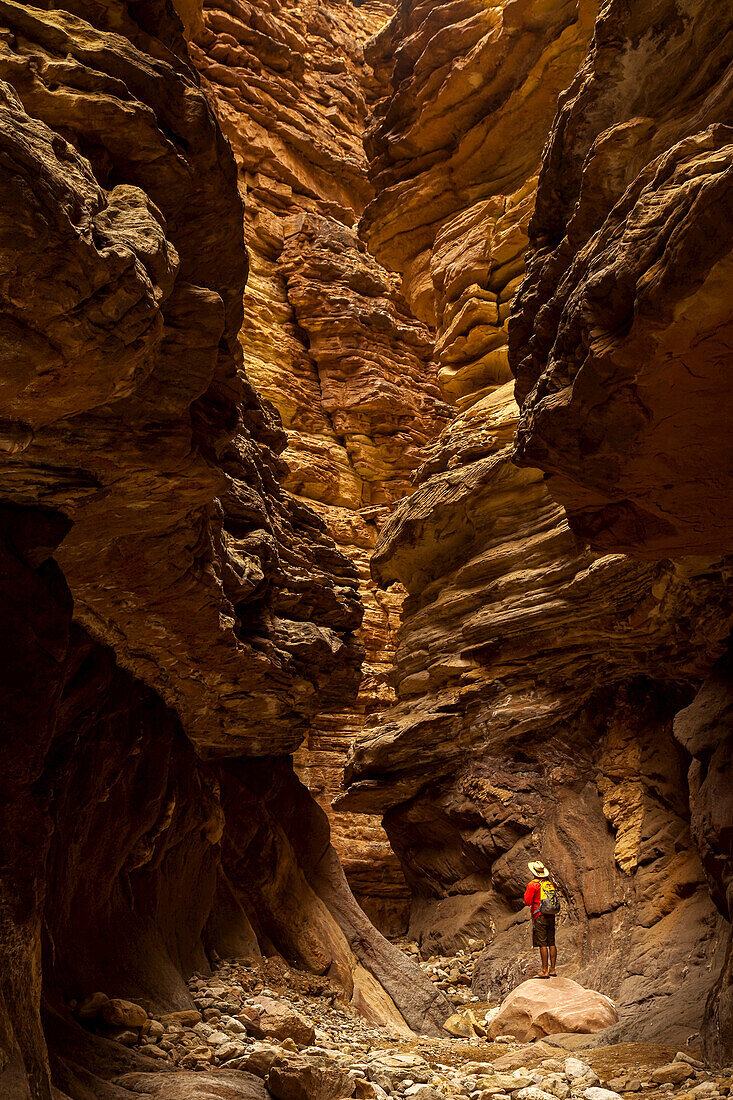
532,897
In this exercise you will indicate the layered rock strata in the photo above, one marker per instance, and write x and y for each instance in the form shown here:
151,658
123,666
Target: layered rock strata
536,681
170,476
327,337
173,617
622,329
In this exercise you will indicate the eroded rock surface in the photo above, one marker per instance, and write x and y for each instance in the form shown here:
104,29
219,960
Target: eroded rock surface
536,680
174,616
326,336
622,330
171,476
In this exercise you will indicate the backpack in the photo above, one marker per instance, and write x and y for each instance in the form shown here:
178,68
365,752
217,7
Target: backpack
549,898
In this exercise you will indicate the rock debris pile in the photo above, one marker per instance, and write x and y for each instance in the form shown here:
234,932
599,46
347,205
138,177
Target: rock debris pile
451,973
283,1033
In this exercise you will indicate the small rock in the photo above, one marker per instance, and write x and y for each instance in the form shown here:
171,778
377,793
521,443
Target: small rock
683,1056
575,1069
156,1052
153,1030
600,1094
273,1020
462,1025
673,1073
187,1017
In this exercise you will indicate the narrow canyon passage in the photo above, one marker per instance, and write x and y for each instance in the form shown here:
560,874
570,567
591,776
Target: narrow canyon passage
365,530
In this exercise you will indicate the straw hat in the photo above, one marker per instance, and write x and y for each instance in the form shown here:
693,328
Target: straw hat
538,869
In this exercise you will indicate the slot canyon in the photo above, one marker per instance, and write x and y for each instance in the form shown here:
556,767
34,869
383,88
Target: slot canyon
366,526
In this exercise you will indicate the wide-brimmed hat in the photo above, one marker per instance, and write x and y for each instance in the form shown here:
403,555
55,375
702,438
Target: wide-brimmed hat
538,869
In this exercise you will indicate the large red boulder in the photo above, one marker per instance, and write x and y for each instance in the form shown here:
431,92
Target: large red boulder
541,1007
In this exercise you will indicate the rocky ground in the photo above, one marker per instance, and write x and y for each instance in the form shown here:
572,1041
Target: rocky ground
294,1032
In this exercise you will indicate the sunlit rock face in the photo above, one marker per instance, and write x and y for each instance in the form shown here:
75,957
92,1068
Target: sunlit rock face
622,330
124,402
536,680
327,336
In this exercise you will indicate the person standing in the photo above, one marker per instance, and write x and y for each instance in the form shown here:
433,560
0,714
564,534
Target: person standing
543,897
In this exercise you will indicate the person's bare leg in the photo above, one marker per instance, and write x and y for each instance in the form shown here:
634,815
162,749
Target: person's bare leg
553,960
543,956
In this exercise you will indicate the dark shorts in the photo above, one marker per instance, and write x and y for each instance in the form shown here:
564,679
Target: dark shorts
543,930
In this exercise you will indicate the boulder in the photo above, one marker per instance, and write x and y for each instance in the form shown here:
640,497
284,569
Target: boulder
119,1013
672,1074
273,1020
464,1025
299,1079
206,1085
537,1007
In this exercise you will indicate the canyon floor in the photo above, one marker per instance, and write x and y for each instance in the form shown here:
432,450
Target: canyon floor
268,1029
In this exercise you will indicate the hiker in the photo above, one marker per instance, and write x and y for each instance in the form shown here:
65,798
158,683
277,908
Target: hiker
544,898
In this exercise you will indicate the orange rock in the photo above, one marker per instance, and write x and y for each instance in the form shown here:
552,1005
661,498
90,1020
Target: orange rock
538,1007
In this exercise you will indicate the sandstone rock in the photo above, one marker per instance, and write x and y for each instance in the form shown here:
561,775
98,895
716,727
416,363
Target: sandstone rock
506,1082
635,443
576,1069
120,1013
298,1079
682,1055
460,1025
187,1017
273,1020
423,1092
532,1092
537,1008
600,1094
673,1073
224,1084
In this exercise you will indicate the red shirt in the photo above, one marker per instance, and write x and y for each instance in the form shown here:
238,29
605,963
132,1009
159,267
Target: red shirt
532,897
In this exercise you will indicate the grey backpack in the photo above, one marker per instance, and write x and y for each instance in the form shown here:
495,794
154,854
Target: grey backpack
549,898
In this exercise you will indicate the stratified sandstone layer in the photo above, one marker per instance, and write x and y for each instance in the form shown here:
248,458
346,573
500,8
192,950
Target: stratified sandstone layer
173,617
623,327
536,680
326,336
110,285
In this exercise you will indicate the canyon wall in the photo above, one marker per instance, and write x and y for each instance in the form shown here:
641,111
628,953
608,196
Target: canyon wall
621,337
622,329
539,678
174,618
327,336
